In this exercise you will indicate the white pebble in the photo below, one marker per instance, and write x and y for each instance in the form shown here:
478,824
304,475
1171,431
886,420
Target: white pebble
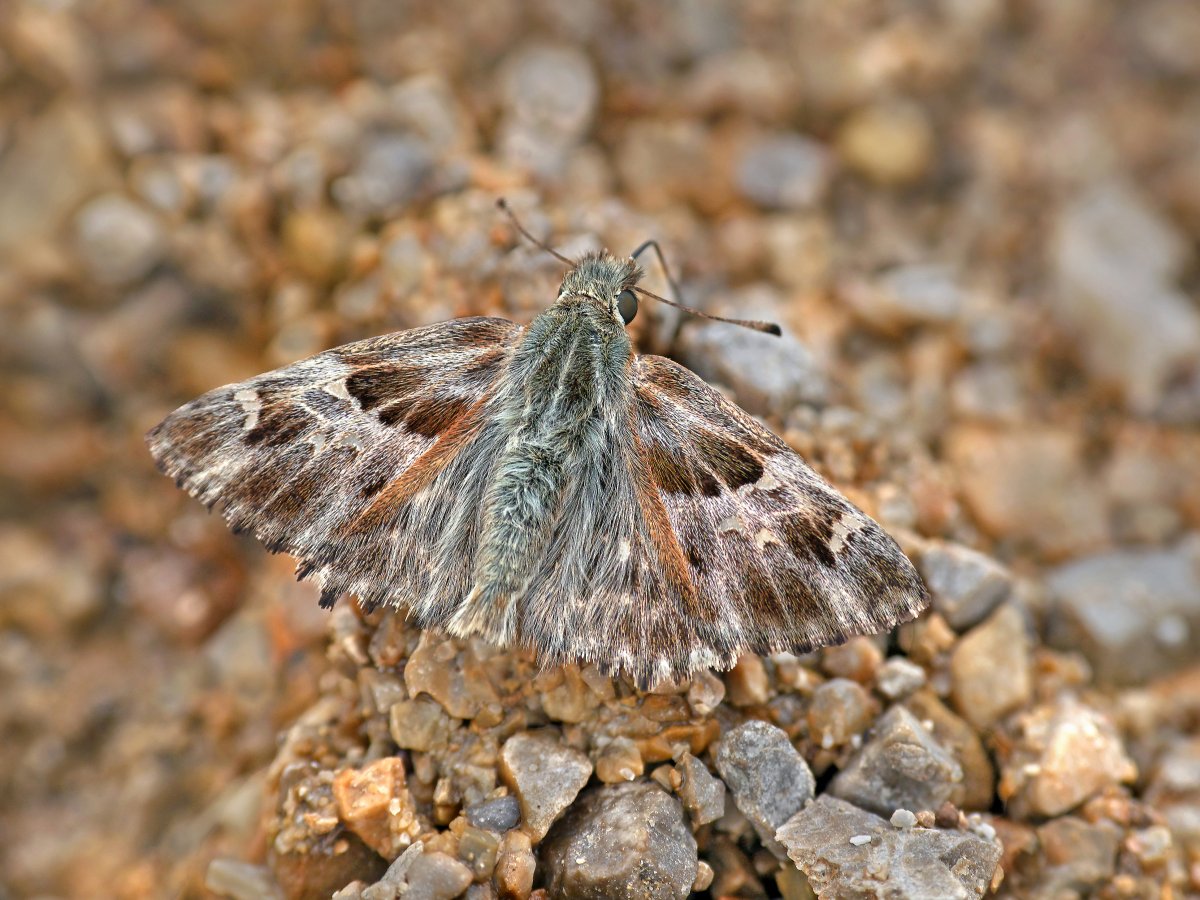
859,839
903,818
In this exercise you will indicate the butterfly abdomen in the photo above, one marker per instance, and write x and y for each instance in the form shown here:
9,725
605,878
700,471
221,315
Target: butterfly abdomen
564,369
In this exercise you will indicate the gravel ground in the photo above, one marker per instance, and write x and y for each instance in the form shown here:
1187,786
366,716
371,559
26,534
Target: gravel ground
977,223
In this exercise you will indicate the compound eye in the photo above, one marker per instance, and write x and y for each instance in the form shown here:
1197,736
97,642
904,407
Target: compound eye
627,305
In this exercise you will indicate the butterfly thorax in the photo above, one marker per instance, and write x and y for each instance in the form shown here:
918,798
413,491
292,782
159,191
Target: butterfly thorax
571,372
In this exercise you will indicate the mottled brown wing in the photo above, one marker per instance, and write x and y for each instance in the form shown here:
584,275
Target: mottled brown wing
779,559
330,459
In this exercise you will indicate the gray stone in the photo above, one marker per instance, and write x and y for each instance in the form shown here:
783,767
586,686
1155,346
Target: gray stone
419,724
977,789
966,585
703,794
1174,789
1115,259
545,774
550,94
1135,614
241,881
784,171
417,875
436,876
397,874
626,840
769,375
769,780
902,766
498,815
1079,855
391,170
52,164
119,240
919,294
552,88
426,104
917,863
899,677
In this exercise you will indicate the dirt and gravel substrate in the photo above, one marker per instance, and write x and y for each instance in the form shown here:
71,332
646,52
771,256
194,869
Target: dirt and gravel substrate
978,224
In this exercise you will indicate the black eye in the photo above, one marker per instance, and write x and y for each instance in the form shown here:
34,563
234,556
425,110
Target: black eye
627,306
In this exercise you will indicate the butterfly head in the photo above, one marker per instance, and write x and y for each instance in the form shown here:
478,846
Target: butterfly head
608,280
613,282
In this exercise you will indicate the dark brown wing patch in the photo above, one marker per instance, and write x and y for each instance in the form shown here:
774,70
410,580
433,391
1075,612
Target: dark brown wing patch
788,563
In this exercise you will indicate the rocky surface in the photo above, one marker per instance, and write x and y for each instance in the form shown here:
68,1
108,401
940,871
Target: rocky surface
1065,753
986,270
545,775
846,852
1001,643
768,779
703,795
625,840
901,765
1134,613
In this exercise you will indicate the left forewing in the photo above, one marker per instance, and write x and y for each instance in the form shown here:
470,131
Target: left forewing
319,458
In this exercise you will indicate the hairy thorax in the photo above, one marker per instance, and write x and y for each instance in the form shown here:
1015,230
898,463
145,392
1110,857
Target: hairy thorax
571,375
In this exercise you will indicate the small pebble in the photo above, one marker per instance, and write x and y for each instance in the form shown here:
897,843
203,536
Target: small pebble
903,818
619,761
704,876
118,239
515,867
839,710
545,775
498,815
899,677
784,171
241,881
747,683
702,793
891,143
769,780
705,693
991,668
622,840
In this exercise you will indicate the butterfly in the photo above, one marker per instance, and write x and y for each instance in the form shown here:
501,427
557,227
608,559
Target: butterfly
545,487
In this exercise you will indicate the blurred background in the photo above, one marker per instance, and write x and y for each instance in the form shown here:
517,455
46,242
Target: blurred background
977,221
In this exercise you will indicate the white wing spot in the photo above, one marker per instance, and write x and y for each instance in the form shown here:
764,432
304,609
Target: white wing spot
251,405
732,523
765,536
337,388
848,524
624,549
767,482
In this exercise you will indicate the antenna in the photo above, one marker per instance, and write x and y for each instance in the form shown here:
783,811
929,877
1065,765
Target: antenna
765,327
752,324
502,205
